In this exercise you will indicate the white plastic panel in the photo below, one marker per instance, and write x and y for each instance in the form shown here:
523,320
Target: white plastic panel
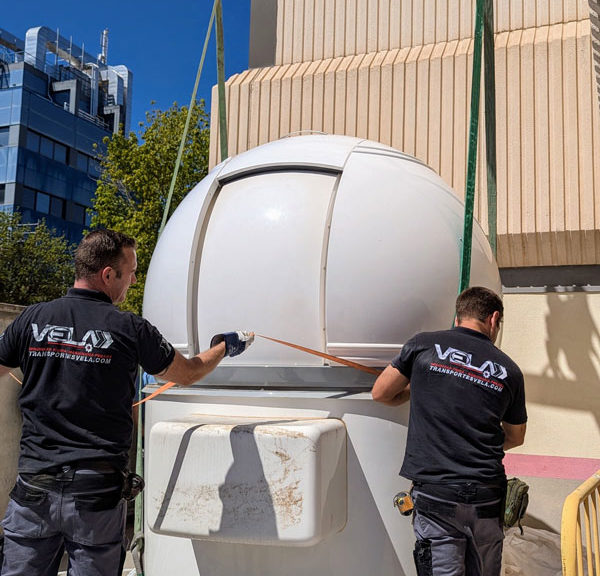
261,265
166,289
311,151
393,261
249,480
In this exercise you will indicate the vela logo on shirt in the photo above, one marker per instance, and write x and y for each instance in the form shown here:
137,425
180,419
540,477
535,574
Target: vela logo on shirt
487,369
65,335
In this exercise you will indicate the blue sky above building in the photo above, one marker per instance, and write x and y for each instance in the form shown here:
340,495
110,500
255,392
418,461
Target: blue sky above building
160,42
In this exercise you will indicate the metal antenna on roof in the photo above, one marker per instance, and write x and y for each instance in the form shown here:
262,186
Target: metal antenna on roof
104,46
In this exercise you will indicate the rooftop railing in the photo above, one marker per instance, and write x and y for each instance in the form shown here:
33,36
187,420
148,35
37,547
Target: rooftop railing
579,526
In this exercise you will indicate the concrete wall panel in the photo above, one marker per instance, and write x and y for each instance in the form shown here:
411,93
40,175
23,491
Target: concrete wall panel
315,29
417,99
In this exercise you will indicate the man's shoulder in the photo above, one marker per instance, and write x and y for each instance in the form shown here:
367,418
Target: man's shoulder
508,362
432,337
34,309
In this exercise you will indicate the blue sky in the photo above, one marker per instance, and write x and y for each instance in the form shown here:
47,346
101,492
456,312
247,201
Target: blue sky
161,42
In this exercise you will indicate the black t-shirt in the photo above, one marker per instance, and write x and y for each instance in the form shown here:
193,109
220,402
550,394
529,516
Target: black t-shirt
79,355
461,388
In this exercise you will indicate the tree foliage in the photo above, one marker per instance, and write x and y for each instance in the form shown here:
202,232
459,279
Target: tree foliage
35,264
136,176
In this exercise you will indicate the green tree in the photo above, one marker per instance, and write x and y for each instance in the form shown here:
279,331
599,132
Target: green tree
136,175
35,264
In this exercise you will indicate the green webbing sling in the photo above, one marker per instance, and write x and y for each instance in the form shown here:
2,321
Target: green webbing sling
187,120
483,14
221,81
489,68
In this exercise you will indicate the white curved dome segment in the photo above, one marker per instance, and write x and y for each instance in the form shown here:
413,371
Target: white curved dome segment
166,292
330,242
394,253
261,265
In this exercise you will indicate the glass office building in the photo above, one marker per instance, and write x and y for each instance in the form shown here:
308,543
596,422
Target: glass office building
56,103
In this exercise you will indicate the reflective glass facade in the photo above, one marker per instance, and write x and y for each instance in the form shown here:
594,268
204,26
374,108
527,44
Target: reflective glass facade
51,119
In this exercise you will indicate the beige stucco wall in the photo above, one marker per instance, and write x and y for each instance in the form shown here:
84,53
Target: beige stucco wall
345,68
555,339
320,29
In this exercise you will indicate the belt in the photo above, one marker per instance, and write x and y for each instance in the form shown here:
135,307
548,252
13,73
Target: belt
464,492
66,471
81,474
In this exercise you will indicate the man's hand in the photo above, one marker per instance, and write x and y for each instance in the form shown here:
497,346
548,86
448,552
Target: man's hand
235,342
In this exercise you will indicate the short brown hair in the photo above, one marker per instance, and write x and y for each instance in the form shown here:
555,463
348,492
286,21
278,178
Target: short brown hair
479,303
99,249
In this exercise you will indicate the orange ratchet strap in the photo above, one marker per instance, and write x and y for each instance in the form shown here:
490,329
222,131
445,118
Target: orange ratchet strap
361,367
156,393
368,369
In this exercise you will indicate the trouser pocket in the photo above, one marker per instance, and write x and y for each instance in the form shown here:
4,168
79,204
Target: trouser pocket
97,527
422,556
27,494
28,512
100,500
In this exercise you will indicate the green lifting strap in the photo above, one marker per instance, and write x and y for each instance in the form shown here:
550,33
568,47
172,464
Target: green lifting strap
221,81
187,121
489,68
483,13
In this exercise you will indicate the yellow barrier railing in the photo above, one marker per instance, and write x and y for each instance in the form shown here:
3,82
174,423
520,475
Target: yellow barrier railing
579,527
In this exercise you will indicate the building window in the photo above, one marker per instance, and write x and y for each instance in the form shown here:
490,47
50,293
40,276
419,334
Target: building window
4,136
57,207
60,153
77,213
46,147
42,203
33,141
28,198
82,162
94,167
2,193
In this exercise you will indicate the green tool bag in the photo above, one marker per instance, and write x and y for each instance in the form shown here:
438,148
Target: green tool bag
517,498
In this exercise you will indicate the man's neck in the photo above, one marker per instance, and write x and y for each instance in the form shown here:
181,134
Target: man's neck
474,324
89,284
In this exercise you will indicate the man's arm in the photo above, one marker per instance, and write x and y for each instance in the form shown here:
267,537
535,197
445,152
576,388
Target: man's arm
514,435
4,370
391,387
186,371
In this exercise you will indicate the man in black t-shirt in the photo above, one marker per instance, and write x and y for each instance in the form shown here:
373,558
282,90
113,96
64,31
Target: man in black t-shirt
467,406
80,355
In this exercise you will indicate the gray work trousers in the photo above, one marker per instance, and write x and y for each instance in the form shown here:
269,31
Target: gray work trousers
83,515
457,538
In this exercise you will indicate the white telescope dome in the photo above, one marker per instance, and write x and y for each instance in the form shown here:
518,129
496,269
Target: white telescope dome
334,243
